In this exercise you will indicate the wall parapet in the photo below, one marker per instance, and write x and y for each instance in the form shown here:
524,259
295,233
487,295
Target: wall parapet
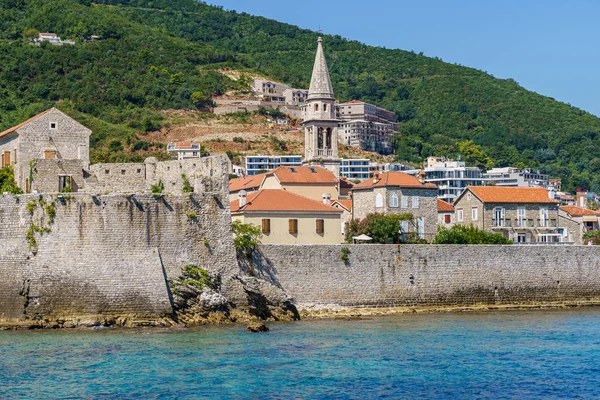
431,275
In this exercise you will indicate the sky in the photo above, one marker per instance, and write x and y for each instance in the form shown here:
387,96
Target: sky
547,46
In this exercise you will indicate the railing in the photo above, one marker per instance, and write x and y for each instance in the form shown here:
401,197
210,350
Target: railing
547,223
501,223
324,152
525,223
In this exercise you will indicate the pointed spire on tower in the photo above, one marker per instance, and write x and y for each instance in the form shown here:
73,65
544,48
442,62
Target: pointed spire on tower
320,83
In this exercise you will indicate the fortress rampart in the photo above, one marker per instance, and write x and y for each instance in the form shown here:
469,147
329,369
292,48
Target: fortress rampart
432,275
78,255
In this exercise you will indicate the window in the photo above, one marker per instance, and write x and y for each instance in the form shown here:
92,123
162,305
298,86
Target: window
474,214
107,171
5,159
378,200
421,227
52,125
64,182
293,226
520,216
447,218
316,107
394,200
266,225
404,201
415,202
139,171
324,107
122,172
320,226
459,215
49,154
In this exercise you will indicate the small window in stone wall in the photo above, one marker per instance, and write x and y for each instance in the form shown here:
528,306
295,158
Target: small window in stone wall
107,171
139,171
447,218
52,125
122,172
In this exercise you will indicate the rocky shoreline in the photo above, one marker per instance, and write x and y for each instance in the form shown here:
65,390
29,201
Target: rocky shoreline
247,316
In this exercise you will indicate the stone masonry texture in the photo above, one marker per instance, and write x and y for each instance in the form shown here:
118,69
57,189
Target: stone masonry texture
411,275
106,255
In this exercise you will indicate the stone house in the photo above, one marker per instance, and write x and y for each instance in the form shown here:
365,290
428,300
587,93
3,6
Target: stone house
577,221
445,214
288,218
398,193
346,207
521,214
313,182
50,135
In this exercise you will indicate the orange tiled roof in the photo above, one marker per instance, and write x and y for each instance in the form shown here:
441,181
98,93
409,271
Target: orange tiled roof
575,211
280,200
249,182
304,175
14,128
347,204
394,179
442,206
502,194
354,102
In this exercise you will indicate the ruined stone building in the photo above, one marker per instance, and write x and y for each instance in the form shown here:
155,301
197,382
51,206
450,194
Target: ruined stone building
50,153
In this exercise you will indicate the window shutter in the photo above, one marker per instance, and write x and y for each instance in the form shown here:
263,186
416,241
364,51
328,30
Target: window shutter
320,226
415,202
293,226
447,218
266,225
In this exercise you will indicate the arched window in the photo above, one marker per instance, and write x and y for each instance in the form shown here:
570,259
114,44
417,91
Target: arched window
316,107
324,107
328,139
394,200
379,200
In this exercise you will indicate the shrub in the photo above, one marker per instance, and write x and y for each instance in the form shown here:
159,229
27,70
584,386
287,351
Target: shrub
157,188
187,187
460,234
381,228
345,255
245,237
51,212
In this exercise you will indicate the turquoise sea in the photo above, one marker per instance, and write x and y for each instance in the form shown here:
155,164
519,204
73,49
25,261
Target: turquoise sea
524,354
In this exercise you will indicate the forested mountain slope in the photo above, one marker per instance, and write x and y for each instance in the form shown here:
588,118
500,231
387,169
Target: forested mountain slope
155,54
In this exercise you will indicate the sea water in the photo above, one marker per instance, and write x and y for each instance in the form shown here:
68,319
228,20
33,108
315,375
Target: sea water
524,354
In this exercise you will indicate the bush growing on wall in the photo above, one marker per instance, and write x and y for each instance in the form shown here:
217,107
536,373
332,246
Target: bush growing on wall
381,228
245,237
459,234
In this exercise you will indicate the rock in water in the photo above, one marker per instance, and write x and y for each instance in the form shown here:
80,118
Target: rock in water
257,327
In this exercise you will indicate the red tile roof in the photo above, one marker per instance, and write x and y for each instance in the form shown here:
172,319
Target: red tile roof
575,211
304,175
502,194
14,128
249,182
280,200
347,204
442,206
394,179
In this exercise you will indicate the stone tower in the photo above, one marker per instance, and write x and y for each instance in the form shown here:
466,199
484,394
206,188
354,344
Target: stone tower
319,118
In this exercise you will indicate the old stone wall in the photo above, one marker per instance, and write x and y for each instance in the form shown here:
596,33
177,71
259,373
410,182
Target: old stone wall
46,174
206,174
407,275
77,255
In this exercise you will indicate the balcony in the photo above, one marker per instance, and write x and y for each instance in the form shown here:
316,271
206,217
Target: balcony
501,223
325,152
547,223
524,223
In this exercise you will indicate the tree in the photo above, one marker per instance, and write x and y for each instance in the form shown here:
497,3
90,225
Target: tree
592,236
381,228
7,181
200,99
30,33
460,234
473,154
245,237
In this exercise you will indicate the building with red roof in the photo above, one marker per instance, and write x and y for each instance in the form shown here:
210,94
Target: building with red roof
578,221
288,218
521,214
398,193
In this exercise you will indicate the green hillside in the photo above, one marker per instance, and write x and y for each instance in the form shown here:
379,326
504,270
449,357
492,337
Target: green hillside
155,54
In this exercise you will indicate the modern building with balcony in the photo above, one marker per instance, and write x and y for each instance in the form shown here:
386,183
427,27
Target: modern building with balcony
523,215
185,150
516,177
451,177
356,168
262,163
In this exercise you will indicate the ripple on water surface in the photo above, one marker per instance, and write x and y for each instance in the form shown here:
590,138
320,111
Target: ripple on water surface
542,354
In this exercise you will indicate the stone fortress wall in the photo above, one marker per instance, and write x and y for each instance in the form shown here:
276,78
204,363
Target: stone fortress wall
203,174
432,275
106,255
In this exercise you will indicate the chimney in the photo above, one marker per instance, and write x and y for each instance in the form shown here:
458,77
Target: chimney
422,177
326,198
242,196
375,177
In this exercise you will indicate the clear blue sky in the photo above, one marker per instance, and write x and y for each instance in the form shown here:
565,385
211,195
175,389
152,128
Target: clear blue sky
548,46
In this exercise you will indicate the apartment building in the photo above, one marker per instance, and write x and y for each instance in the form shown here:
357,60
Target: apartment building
185,150
518,177
521,214
451,177
262,163
366,126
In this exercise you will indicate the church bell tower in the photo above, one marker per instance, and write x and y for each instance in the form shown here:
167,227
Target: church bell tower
319,118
